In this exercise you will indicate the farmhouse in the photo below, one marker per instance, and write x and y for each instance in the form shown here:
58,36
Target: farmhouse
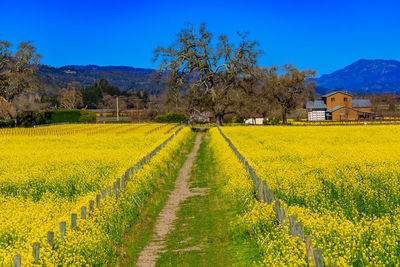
339,106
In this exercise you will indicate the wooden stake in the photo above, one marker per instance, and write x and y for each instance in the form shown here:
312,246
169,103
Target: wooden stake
91,207
309,249
98,201
292,222
319,261
63,226
299,231
35,252
50,239
17,261
108,190
83,213
73,221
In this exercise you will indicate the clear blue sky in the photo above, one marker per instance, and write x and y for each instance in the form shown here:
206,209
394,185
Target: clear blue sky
322,35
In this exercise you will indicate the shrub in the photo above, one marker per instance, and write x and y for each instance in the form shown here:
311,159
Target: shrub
171,117
70,115
7,123
227,120
30,118
237,119
272,121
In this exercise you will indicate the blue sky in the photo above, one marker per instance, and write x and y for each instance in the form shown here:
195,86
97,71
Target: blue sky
322,35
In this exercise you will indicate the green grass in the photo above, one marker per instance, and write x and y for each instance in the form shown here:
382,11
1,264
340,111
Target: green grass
140,233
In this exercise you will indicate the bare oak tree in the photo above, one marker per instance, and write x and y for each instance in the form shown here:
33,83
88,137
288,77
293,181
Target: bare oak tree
287,86
18,70
211,70
70,97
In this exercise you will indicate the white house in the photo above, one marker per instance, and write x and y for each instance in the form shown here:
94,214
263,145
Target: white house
254,121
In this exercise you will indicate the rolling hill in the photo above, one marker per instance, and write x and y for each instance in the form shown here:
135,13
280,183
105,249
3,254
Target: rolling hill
126,78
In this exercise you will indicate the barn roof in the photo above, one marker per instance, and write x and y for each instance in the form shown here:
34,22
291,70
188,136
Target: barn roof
335,108
335,92
361,103
316,104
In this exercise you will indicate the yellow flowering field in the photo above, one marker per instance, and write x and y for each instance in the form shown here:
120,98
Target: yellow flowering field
47,173
342,183
255,225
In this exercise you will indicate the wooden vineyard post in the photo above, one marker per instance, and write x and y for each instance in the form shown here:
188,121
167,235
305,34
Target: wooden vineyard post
63,226
309,249
17,261
103,194
97,201
50,239
83,213
284,217
122,182
35,252
267,193
319,261
108,190
292,223
73,220
299,231
260,192
278,210
115,189
91,207
118,184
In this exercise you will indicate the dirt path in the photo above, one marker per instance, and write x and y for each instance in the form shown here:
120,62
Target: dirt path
165,222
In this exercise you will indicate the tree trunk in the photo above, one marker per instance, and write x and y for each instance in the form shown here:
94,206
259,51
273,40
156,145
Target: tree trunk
220,119
284,117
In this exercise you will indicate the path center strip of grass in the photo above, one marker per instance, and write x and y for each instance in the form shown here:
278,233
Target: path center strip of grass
201,234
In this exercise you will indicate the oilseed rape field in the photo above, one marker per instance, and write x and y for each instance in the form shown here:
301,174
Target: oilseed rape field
341,183
48,173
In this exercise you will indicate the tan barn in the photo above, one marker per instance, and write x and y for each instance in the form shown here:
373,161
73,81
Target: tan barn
339,106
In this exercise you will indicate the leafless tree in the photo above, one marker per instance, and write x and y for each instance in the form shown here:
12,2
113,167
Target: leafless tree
18,71
70,97
287,86
212,71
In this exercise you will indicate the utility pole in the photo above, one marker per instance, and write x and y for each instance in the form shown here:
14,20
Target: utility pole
137,110
117,110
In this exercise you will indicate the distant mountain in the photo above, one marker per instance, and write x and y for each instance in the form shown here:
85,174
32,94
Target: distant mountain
364,76
126,78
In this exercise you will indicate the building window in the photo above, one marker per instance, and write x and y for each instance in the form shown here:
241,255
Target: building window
332,99
345,99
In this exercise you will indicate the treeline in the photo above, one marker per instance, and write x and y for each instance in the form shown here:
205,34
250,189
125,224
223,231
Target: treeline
32,118
101,95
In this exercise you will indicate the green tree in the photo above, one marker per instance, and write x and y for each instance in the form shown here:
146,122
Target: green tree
108,88
212,70
93,95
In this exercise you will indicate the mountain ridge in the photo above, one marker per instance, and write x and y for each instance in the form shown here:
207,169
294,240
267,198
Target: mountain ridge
365,76
124,77
362,76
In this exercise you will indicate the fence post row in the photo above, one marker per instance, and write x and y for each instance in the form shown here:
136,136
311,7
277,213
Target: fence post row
118,185
314,256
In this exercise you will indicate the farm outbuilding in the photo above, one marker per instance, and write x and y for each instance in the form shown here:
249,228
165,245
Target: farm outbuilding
339,106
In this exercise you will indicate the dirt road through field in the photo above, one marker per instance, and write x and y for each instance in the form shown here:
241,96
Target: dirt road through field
165,221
